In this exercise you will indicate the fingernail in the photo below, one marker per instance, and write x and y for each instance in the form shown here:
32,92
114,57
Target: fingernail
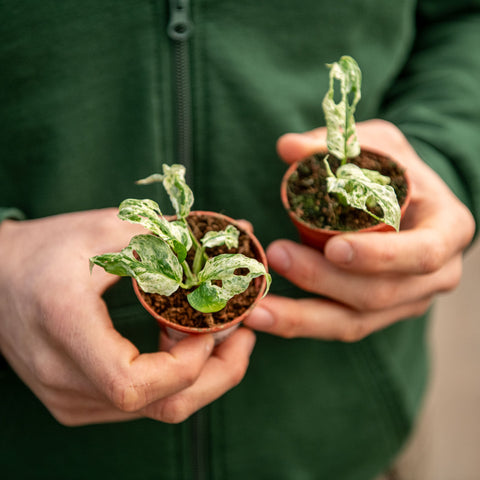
339,251
279,258
260,319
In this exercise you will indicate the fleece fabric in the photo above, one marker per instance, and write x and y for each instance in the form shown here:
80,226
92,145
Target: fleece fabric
92,97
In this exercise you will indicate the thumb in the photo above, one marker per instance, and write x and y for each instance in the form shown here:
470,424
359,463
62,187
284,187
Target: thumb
130,380
292,147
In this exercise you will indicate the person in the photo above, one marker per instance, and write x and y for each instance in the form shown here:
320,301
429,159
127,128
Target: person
91,101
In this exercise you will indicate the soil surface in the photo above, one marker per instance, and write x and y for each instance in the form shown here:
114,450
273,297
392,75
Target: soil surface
310,201
176,308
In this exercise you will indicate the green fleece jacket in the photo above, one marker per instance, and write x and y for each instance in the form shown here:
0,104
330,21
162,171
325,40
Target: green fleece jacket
97,93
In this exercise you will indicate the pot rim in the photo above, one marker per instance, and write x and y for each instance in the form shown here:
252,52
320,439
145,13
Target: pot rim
260,256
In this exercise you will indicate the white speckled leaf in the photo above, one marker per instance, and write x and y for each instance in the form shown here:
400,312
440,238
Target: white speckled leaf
228,237
180,231
209,297
155,266
179,192
359,191
154,178
375,176
173,179
341,132
147,213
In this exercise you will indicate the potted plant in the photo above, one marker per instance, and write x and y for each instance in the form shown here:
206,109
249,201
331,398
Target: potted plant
346,187
192,272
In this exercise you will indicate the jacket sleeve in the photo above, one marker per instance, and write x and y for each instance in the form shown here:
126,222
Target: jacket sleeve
436,99
11,213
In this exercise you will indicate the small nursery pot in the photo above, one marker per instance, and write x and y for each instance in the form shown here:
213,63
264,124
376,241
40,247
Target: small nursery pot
317,237
221,331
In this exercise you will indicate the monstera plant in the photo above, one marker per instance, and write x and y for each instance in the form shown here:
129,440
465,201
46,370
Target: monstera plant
347,187
205,270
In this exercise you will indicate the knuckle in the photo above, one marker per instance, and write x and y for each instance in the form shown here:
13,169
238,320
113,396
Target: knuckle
291,326
355,331
452,276
52,315
390,132
175,410
238,372
387,255
61,409
377,298
368,301
45,370
395,135
187,374
66,419
124,396
432,257
469,224
312,276
421,307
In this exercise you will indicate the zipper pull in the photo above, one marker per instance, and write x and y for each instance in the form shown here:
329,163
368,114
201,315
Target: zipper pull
180,26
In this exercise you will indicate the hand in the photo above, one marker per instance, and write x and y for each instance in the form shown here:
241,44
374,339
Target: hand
56,333
370,280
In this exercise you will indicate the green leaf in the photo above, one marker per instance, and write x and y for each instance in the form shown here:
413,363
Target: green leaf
147,213
341,132
147,259
359,191
228,237
207,298
210,297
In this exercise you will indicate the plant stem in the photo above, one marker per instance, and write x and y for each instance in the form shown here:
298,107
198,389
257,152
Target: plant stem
191,278
200,256
345,134
327,166
199,260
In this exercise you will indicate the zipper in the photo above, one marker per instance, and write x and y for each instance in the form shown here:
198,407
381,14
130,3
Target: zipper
179,29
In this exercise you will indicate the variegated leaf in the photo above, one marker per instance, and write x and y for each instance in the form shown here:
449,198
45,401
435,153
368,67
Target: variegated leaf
228,237
173,179
359,191
147,259
341,132
154,178
209,297
376,177
147,213
179,230
179,192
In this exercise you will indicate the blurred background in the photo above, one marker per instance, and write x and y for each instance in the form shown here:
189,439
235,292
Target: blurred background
446,442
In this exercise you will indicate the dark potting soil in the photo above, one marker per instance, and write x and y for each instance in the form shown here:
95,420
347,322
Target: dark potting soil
176,307
310,201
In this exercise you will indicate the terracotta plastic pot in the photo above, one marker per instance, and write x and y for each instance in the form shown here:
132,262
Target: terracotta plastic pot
317,237
220,332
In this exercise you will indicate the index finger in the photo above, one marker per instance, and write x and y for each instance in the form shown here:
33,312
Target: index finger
293,147
224,369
